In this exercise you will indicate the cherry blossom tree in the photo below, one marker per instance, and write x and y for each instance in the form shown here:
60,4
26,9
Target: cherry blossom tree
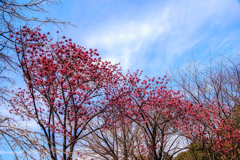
79,100
13,15
67,87
157,110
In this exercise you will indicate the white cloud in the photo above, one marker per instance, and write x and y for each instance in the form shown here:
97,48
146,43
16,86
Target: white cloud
168,30
124,40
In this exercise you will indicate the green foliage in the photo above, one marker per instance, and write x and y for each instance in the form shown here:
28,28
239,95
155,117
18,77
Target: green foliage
184,156
191,155
195,152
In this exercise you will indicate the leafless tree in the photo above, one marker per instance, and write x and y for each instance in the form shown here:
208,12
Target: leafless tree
115,142
217,80
13,15
15,136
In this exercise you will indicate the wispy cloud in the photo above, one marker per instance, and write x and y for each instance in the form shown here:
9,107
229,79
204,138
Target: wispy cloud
126,40
161,36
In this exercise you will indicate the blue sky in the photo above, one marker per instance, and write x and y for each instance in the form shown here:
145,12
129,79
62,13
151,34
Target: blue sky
151,35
